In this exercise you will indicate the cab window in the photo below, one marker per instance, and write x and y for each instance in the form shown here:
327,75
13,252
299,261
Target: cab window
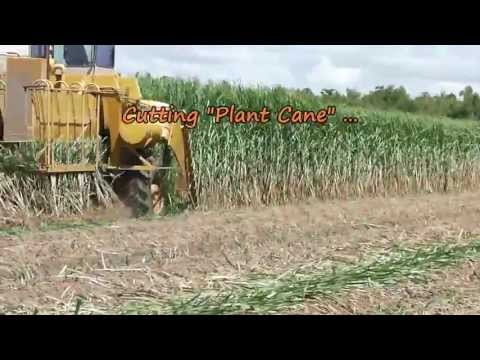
105,56
73,55
38,51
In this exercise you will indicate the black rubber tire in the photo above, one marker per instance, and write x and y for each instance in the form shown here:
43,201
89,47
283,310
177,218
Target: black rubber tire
1,126
158,178
137,193
135,189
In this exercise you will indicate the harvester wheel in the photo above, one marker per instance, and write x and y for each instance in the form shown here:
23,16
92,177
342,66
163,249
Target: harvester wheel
138,195
1,125
145,192
158,178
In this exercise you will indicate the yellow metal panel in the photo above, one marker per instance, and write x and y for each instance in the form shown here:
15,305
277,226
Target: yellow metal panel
132,87
21,72
67,122
64,113
112,112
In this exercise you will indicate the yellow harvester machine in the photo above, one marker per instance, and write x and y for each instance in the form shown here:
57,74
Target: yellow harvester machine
67,97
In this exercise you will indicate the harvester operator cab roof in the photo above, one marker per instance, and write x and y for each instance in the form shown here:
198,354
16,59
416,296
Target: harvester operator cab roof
77,56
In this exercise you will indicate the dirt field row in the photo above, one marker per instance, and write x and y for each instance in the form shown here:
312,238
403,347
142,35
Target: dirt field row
108,266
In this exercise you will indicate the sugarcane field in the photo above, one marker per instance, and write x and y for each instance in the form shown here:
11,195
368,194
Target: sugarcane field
128,192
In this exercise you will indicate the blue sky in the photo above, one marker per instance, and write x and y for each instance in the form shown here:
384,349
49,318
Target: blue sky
418,68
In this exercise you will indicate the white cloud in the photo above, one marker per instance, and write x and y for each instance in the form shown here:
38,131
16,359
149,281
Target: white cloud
418,68
21,49
327,75
250,65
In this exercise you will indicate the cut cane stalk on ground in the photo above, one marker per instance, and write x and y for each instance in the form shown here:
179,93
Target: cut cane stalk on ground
263,294
48,271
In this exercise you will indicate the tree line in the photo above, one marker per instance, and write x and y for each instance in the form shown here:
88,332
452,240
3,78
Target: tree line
464,105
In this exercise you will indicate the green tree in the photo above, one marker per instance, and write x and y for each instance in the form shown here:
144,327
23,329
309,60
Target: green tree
353,96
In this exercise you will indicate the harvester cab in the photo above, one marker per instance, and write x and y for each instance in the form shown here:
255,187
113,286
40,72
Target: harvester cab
69,101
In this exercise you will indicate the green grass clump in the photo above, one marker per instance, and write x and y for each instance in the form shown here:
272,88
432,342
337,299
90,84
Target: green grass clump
264,294
250,164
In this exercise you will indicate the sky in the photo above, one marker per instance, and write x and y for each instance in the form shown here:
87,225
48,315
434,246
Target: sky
361,67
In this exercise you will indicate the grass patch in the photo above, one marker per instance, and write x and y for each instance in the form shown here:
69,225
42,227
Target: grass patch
267,294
